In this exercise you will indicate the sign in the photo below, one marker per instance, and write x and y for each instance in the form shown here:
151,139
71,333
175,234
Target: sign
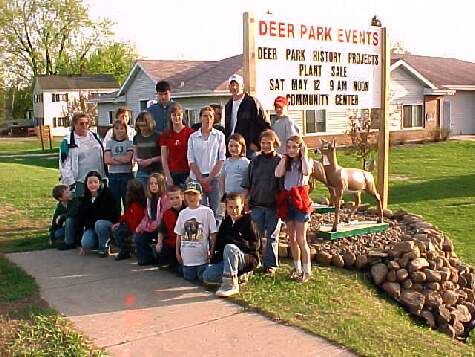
317,66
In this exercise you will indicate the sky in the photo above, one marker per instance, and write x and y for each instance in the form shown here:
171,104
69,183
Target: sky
212,30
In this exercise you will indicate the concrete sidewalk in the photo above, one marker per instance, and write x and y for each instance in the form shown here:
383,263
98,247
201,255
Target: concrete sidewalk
135,311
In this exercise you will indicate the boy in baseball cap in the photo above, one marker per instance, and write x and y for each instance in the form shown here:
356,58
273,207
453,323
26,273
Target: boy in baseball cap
283,126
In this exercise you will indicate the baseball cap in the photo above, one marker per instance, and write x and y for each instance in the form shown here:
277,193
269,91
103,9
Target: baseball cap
193,186
280,102
237,78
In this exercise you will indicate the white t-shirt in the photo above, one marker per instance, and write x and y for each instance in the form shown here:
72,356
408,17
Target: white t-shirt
236,104
194,225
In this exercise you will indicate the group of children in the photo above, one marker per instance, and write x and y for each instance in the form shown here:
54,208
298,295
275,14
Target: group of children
170,227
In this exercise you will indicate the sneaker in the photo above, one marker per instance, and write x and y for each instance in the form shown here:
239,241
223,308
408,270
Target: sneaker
66,246
296,275
244,278
229,287
122,256
103,253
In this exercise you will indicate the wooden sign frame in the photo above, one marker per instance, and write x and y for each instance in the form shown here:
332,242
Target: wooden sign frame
249,75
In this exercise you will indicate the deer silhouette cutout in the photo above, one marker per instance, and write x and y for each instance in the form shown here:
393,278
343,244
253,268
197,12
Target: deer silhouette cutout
340,180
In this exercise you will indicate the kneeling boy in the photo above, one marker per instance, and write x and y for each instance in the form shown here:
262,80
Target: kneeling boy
196,234
59,229
166,243
236,248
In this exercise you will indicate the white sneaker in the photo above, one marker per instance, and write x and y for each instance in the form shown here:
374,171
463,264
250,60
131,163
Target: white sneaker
229,287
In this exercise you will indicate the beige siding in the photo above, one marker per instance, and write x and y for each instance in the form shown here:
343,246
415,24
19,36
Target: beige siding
462,112
405,88
196,103
298,117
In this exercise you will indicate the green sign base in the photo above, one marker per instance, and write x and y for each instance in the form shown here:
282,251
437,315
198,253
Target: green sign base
318,208
351,229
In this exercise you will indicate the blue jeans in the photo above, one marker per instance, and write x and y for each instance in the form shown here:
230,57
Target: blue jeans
179,178
70,230
142,176
195,272
167,256
142,247
118,187
233,262
97,237
268,226
212,199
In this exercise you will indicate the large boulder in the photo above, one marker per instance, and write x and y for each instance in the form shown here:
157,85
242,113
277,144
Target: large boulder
417,264
412,299
393,289
379,272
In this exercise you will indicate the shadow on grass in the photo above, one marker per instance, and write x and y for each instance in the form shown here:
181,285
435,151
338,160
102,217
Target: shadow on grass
434,189
50,162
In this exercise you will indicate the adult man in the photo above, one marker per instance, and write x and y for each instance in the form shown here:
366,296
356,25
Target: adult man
244,115
161,110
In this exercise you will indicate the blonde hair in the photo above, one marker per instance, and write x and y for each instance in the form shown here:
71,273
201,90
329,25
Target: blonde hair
162,185
147,118
115,124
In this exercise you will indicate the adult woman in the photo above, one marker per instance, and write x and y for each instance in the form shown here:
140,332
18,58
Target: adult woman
80,152
174,144
206,155
146,147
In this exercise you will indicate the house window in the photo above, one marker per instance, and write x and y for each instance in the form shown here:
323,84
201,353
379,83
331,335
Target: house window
192,115
111,116
38,98
315,121
55,123
143,104
55,97
412,116
64,122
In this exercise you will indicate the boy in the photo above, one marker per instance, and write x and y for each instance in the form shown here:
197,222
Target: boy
196,234
166,242
236,248
284,127
63,195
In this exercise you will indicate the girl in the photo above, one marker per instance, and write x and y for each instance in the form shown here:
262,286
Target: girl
128,222
146,147
118,155
262,187
295,204
235,167
147,231
96,214
284,127
206,155
174,144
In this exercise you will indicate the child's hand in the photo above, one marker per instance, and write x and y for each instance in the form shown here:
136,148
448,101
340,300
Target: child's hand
210,255
115,225
57,220
169,180
178,258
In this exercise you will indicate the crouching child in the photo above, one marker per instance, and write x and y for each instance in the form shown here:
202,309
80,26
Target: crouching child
59,224
236,248
196,234
166,242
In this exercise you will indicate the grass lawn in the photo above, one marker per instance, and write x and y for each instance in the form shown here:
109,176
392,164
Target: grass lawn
435,180
25,319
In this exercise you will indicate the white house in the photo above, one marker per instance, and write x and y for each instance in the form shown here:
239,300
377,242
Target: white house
53,94
426,93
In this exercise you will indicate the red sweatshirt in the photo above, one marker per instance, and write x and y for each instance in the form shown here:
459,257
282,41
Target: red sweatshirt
167,226
132,216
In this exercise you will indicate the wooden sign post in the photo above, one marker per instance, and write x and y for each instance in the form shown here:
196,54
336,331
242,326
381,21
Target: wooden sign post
317,66
45,134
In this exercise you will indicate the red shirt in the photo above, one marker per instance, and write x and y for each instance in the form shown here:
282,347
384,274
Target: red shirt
167,227
132,216
177,144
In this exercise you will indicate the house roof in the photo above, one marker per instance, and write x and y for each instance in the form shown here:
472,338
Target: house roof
99,81
442,72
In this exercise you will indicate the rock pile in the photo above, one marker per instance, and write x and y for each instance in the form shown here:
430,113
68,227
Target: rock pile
414,263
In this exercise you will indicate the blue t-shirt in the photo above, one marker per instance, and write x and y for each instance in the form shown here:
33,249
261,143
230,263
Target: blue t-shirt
234,171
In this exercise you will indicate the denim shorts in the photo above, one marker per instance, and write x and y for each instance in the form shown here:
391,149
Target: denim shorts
294,214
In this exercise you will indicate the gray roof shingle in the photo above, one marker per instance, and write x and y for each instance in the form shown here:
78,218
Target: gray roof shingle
100,81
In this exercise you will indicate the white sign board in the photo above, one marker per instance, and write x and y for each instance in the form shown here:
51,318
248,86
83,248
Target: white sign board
317,66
